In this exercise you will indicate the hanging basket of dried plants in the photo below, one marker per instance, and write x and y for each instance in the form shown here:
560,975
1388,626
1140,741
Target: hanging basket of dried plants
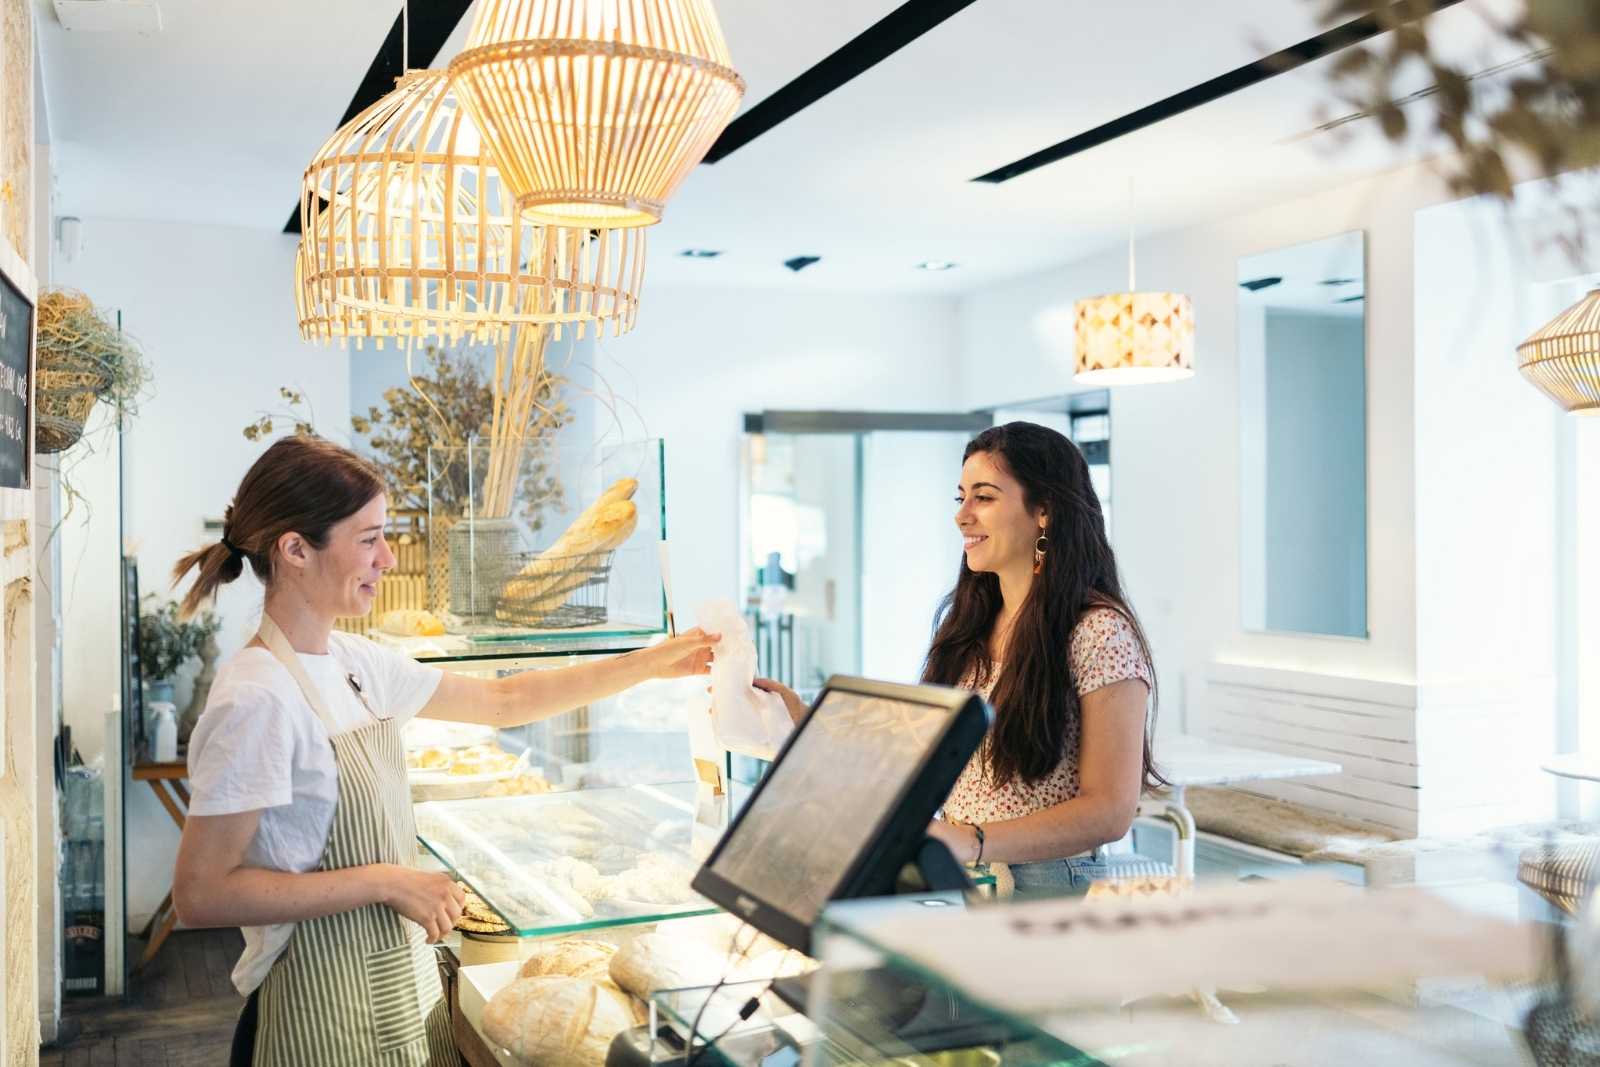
83,356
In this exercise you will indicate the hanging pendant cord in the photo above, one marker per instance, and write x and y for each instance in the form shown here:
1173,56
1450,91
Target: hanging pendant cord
405,37
1131,286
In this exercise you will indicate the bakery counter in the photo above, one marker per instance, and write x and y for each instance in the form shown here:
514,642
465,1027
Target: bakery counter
577,861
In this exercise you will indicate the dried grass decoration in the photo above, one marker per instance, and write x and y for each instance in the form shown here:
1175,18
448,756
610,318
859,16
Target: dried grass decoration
409,232
83,356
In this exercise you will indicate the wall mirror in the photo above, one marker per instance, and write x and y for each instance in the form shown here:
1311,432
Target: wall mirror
1303,438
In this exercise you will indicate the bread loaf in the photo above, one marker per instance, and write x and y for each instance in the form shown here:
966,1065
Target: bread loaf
570,958
660,961
557,1021
411,622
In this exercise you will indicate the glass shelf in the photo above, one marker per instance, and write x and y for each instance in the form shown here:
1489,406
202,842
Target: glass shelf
459,652
569,862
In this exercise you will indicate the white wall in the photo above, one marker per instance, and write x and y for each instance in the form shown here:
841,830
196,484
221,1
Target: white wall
700,358
1175,448
213,308
912,550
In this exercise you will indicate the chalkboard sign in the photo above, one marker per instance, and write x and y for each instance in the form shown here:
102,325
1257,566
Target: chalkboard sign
16,381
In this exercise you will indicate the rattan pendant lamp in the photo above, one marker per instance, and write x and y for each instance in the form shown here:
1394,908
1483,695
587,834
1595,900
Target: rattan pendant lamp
409,232
1133,337
1562,358
596,109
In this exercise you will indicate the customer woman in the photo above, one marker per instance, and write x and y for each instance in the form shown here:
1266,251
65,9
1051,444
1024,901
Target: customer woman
1038,623
300,827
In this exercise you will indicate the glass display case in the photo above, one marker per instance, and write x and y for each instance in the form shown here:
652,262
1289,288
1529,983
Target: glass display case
1117,982
542,548
570,862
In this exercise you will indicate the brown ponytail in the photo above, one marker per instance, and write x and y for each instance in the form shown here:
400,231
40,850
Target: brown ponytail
300,485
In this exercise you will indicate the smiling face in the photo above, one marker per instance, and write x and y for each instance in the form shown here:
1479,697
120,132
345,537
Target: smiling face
341,578
998,528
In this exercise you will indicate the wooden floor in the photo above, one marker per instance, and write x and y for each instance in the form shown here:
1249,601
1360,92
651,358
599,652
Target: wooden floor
179,1012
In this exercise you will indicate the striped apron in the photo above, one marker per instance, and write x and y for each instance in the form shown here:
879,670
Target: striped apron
362,987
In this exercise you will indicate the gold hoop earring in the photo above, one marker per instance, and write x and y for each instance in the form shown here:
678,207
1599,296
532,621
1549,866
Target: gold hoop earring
1039,548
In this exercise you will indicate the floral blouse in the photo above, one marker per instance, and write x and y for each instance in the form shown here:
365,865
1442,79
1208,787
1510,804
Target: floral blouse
1104,651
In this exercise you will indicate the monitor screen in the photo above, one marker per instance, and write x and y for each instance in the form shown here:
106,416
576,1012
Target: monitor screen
834,789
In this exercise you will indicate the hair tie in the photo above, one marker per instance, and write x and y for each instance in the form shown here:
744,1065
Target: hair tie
234,551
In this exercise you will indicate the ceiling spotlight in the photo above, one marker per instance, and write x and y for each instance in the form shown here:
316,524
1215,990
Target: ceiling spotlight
1255,285
701,253
936,264
799,263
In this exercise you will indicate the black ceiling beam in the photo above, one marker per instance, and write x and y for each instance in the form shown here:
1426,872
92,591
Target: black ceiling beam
432,24
860,54
1296,55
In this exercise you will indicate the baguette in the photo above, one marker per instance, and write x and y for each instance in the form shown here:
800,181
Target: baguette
545,582
604,511
612,527
527,599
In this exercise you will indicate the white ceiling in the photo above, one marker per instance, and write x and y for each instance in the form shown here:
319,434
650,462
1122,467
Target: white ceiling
213,120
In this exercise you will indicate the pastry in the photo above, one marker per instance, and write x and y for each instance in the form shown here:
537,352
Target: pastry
411,622
570,958
523,785
557,1021
724,935
655,879
653,962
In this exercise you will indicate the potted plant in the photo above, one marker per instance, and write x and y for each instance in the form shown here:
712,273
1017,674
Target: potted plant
166,643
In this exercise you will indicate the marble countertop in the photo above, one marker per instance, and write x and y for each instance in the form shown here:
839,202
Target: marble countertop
1188,760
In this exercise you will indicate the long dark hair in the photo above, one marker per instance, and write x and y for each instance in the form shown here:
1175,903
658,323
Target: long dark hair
1036,697
301,484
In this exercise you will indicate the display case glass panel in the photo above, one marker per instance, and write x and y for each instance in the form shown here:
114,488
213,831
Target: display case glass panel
574,861
538,558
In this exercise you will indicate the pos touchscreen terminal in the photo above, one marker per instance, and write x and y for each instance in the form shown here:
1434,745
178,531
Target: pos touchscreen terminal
845,806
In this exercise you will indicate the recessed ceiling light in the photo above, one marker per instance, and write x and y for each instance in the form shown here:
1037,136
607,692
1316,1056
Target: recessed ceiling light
936,264
701,253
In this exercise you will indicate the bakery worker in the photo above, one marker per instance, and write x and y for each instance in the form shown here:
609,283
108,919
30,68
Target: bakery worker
300,828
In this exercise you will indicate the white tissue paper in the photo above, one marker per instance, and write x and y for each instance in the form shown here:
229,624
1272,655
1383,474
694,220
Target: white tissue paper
745,719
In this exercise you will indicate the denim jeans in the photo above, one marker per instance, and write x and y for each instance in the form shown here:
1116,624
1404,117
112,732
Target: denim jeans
1059,878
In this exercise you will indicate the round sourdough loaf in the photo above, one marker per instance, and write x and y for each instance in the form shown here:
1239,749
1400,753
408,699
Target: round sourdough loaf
556,1021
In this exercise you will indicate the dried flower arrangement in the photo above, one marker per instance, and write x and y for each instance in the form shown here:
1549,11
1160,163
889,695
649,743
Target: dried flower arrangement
83,357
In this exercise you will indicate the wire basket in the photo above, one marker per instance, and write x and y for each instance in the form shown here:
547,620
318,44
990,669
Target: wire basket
485,554
556,592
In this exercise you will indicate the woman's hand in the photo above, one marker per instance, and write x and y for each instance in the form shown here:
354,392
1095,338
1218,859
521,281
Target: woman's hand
682,656
958,837
431,899
791,700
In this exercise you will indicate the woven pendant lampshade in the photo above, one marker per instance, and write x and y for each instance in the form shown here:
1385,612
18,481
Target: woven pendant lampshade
1562,358
1134,338
596,109
409,232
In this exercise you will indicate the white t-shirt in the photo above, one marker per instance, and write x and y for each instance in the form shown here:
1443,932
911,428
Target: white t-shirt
259,746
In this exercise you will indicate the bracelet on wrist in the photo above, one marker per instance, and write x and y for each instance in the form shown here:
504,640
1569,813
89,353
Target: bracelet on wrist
978,832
